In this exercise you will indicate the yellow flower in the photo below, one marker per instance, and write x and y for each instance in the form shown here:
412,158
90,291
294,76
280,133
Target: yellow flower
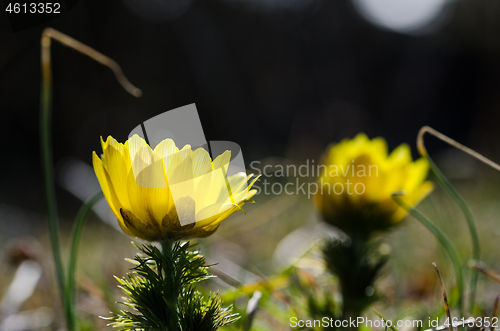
140,185
358,179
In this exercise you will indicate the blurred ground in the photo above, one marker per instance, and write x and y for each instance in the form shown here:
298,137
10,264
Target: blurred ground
283,80
276,232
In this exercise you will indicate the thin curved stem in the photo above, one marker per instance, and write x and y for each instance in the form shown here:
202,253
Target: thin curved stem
50,33
445,241
445,296
47,164
75,243
46,141
487,271
448,140
460,201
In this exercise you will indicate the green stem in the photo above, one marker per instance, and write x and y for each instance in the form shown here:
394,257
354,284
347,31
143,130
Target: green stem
448,187
168,250
75,241
476,252
46,143
447,244
166,247
48,169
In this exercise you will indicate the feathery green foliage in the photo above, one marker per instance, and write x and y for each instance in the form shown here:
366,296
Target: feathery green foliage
162,296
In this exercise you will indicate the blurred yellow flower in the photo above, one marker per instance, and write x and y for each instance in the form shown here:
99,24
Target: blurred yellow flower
357,181
140,185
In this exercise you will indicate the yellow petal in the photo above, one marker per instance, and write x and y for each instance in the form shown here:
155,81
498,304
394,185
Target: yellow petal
423,191
139,229
115,164
149,205
166,150
108,190
401,154
134,144
142,184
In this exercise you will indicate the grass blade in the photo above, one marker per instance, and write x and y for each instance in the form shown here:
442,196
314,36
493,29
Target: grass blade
75,241
447,244
445,297
383,318
48,35
485,270
445,183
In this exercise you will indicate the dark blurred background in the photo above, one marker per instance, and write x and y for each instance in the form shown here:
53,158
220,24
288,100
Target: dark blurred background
279,77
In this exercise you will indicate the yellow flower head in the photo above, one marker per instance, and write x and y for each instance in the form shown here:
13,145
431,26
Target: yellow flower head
167,193
358,179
